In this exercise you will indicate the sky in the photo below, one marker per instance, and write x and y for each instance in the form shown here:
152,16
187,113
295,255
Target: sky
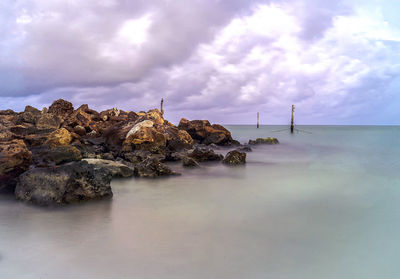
222,60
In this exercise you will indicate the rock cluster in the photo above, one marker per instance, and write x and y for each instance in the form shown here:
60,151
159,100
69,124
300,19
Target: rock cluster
62,155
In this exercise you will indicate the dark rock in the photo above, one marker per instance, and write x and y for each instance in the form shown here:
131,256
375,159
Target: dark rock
189,162
268,140
204,154
65,184
7,112
45,156
117,169
235,157
151,167
15,158
61,108
48,122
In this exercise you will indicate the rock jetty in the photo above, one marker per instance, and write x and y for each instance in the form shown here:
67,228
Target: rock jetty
62,155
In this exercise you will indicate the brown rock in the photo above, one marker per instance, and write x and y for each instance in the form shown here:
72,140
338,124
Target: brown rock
15,158
59,137
203,132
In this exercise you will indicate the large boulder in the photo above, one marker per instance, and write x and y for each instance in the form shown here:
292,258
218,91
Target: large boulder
204,154
117,169
15,158
235,157
65,184
268,140
203,132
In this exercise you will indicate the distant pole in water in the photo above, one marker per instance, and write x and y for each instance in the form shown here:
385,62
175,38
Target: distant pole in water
258,120
292,122
162,110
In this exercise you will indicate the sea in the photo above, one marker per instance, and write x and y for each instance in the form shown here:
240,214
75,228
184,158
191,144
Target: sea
323,204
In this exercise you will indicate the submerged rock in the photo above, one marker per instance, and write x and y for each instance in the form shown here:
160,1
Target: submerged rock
235,157
151,167
65,184
204,154
117,169
268,140
189,162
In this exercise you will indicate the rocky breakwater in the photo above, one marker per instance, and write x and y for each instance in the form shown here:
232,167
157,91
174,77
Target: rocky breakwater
62,155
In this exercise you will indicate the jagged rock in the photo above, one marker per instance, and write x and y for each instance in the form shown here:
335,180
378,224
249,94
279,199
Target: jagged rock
48,122
7,112
189,162
15,158
80,130
61,108
204,154
59,137
177,140
45,156
117,169
204,132
107,114
235,157
268,140
143,136
30,115
151,167
72,182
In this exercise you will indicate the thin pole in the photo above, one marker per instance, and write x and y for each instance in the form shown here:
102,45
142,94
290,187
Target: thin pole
292,121
258,120
162,110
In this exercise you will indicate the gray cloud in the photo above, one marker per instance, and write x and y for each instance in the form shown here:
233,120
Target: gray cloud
222,60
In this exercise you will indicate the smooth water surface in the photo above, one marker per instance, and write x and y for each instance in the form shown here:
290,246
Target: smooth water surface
323,204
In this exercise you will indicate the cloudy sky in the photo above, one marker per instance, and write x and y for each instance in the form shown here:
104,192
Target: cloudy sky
223,60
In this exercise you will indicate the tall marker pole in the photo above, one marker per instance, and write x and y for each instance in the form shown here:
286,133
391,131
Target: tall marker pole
258,120
162,110
292,122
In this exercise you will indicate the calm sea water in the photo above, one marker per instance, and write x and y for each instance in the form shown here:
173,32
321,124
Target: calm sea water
324,204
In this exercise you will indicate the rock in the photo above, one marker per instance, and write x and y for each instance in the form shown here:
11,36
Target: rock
80,130
48,122
137,156
107,156
189,162
117,169
59,137
107,114
204,154
7,112
61,108
151,167
268,140
235,157
45,156
144,137
204,132
139,126
65,184
177,140
30,115
15,158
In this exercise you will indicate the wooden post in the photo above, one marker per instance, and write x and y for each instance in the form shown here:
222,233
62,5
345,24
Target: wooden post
162,110
292,121
258,120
